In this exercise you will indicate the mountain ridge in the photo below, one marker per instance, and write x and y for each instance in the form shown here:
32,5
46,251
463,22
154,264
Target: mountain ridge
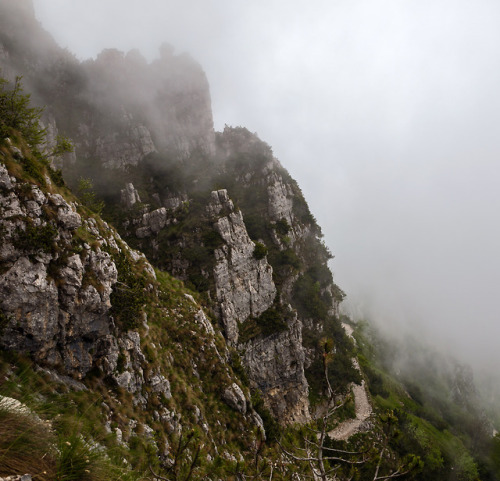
199,203
184,283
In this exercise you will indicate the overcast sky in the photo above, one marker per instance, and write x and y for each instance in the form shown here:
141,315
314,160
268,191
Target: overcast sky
387,112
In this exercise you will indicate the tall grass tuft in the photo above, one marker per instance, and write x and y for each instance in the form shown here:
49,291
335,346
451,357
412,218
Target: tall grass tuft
68,444
26,446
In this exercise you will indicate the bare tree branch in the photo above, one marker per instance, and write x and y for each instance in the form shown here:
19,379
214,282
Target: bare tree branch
157,476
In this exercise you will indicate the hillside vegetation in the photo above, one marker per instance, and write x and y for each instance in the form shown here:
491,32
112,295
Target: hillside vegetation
437,409
166,306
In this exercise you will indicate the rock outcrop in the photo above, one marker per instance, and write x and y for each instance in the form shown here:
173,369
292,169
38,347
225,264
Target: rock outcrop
148,127
244,285
127,108
276,364
54,288
129,196
66,281
127,144
234,397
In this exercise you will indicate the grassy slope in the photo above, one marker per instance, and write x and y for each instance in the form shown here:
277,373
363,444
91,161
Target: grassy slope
450,436
176,344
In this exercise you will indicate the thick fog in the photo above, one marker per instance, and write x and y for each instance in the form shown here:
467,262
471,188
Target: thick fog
388,115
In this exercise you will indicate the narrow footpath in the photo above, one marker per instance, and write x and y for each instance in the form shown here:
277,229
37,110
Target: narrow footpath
362,406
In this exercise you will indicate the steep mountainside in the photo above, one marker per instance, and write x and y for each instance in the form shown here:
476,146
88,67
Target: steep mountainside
216,210
166,307
438,409
81,303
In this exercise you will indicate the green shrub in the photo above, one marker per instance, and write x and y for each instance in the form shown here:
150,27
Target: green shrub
128,296
4,321
87,196
34,169
36,238
256,225
260,251
212,239
198,282
375,382
15,113
271,427
63,146
309,299
197,254
57,177
301,210
282,227
238,368
272,321
288,257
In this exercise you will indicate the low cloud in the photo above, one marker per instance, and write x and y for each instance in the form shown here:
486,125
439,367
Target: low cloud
386,113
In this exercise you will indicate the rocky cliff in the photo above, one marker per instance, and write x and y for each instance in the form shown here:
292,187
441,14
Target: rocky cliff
216,210
85,307
166,304
117,108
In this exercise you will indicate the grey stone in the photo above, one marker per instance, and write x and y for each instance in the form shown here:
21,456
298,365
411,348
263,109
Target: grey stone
160,384
276,366
219,201
11,206
172,203
16,152
57,200
152,223
61,378
5,182
201,318
58,323
127,145
129,196
156,220
143,232
38,195
233,396
33,209
280,199
197,413
69,220
257,420
244,285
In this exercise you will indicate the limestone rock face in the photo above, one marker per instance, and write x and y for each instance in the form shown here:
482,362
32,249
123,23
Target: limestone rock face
30,298
66,216
152,223
276,364
48,306
129,195
127,108
233,396
183,116
244,285
280,199
161,107
153,121
126,146
130,375
219,201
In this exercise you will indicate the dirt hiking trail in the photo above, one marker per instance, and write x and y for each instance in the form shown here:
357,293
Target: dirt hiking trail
362,405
